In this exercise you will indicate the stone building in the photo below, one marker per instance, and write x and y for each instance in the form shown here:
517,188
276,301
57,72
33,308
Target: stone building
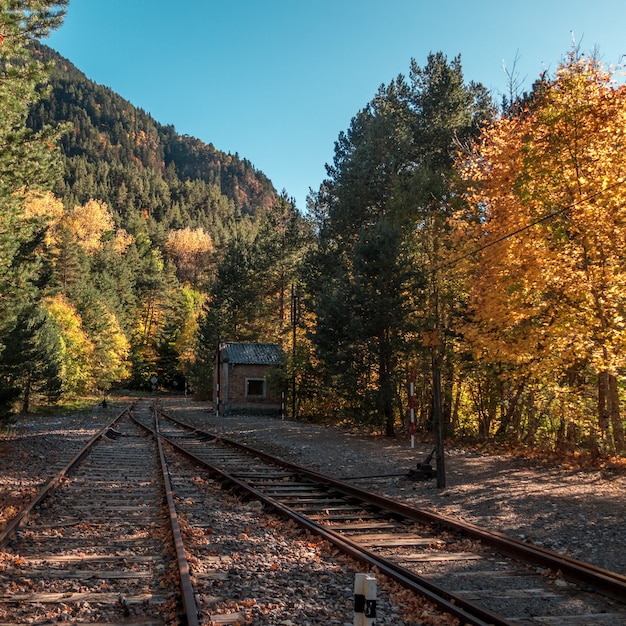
241,372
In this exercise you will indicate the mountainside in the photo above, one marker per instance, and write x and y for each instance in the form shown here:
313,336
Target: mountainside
118,153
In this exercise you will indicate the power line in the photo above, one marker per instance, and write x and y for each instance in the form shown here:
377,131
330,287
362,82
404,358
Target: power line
545,218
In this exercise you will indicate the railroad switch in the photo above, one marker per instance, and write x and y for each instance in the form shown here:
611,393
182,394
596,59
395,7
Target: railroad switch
424,470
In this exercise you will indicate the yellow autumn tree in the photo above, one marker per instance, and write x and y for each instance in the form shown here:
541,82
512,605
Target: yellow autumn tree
122,241
549,189
191,250
45,206
112,351
77,350
88,223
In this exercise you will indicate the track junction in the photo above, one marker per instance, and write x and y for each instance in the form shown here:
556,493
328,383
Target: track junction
117,534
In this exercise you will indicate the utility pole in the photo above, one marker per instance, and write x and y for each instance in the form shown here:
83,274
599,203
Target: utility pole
435,344
438,419
432,339
295,318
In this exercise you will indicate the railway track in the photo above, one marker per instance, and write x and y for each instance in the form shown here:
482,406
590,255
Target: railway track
479,576
103,543
96,544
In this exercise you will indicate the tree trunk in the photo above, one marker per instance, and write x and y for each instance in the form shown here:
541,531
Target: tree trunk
603,401
386,400
614,412
455,408
385,392
27,388
446,393
559,445
533,422
424,417
507,416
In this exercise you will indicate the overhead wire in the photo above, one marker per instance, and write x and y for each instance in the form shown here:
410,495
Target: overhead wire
545,218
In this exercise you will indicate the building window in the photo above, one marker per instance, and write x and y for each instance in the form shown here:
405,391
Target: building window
255,387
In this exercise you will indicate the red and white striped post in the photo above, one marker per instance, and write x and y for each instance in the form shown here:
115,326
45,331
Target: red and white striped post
218,359
412,405
364,600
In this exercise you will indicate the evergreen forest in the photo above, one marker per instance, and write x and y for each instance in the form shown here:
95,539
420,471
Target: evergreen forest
475,248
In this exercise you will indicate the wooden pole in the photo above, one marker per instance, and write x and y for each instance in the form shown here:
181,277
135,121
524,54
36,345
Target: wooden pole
438,420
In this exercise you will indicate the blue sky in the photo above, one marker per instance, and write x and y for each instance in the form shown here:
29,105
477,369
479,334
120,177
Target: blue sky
276,81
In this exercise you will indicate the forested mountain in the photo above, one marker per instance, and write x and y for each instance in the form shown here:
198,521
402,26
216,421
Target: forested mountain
117,153
120,230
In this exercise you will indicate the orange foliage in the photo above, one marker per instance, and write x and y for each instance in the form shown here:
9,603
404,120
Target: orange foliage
554,293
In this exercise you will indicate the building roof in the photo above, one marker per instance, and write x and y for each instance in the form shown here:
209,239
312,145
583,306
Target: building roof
250,353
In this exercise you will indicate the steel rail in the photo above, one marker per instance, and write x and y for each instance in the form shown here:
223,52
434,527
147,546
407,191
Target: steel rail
467,612
187,591
24,515
190,605
608,583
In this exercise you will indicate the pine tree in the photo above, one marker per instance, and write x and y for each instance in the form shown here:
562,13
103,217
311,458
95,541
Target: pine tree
448,113
278,249
379,315
234,298
27,162
390,180
31,362
353,209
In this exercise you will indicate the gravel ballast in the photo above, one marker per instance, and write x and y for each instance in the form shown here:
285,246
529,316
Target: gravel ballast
580,513
575,512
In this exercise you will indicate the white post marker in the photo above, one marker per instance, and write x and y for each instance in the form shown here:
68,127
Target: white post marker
364,600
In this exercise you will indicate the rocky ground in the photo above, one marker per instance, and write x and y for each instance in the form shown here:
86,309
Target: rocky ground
581,513
577,512
34,447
